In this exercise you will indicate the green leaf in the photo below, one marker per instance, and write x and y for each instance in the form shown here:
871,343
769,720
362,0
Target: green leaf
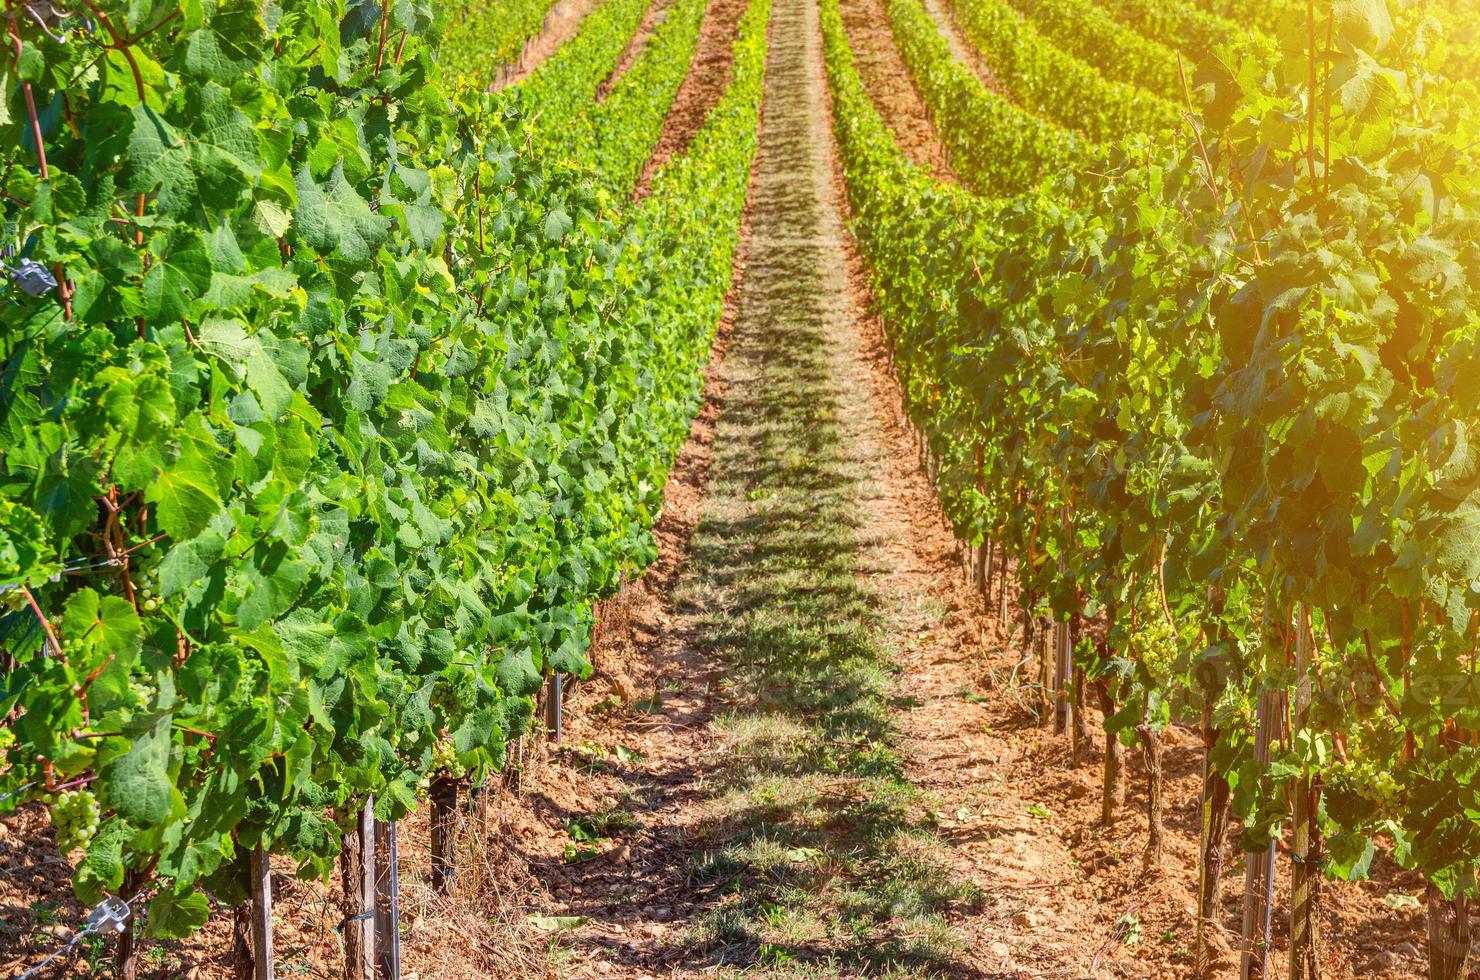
229,340
107,625
230,42
557,923
1365,23
1350,855
174,279
160,161
335,219
423,224
185,494
557,225
517,675
138,783
176,914
187,562
101,870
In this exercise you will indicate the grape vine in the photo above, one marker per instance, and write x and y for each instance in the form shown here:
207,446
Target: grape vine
318,442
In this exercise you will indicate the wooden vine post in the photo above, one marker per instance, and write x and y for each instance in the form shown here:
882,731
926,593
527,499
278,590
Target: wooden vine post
387,903
262,955
1045,634
554,705
1151,755
444,832
1305,854
1113,790
1216,792
357,868
984,570
1063,655
1080,732
1063,645
1259,865
1002,585
1214,831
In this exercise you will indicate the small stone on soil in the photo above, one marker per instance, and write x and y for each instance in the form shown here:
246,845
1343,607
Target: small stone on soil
1026,919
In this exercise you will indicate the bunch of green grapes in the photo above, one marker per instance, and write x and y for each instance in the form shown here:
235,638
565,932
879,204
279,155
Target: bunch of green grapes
75,816
1377,786
444,760
146,585
1155,642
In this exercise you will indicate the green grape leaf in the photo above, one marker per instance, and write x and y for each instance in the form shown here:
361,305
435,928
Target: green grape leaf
557,225
335,219
176,913
190,561
138,783
101,870
160,160
231,40
517,675
174,279
107,625
185,494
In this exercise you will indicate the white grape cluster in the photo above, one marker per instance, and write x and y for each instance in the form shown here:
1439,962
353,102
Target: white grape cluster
1372,784
75,816
1155,641
444,760
147,589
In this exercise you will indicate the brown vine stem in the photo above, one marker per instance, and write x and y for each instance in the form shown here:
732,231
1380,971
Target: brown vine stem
162,21
1191,115
385,20
1326,93
1161,577
64,292
121,45
51,634
35,120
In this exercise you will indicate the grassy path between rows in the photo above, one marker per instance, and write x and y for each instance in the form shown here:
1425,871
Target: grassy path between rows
812,808
816,794
801,854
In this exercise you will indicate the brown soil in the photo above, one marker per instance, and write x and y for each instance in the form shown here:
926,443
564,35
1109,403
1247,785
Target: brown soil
709,75
891,86
561,24
944,12
657,12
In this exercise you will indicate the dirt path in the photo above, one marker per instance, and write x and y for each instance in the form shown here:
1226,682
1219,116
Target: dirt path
891,86
944,12
794,801
561,24
709,75
657,12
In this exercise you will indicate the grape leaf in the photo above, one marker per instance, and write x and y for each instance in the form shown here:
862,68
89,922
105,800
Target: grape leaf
335,218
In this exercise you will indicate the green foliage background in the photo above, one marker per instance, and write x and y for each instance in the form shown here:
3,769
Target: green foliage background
346,409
